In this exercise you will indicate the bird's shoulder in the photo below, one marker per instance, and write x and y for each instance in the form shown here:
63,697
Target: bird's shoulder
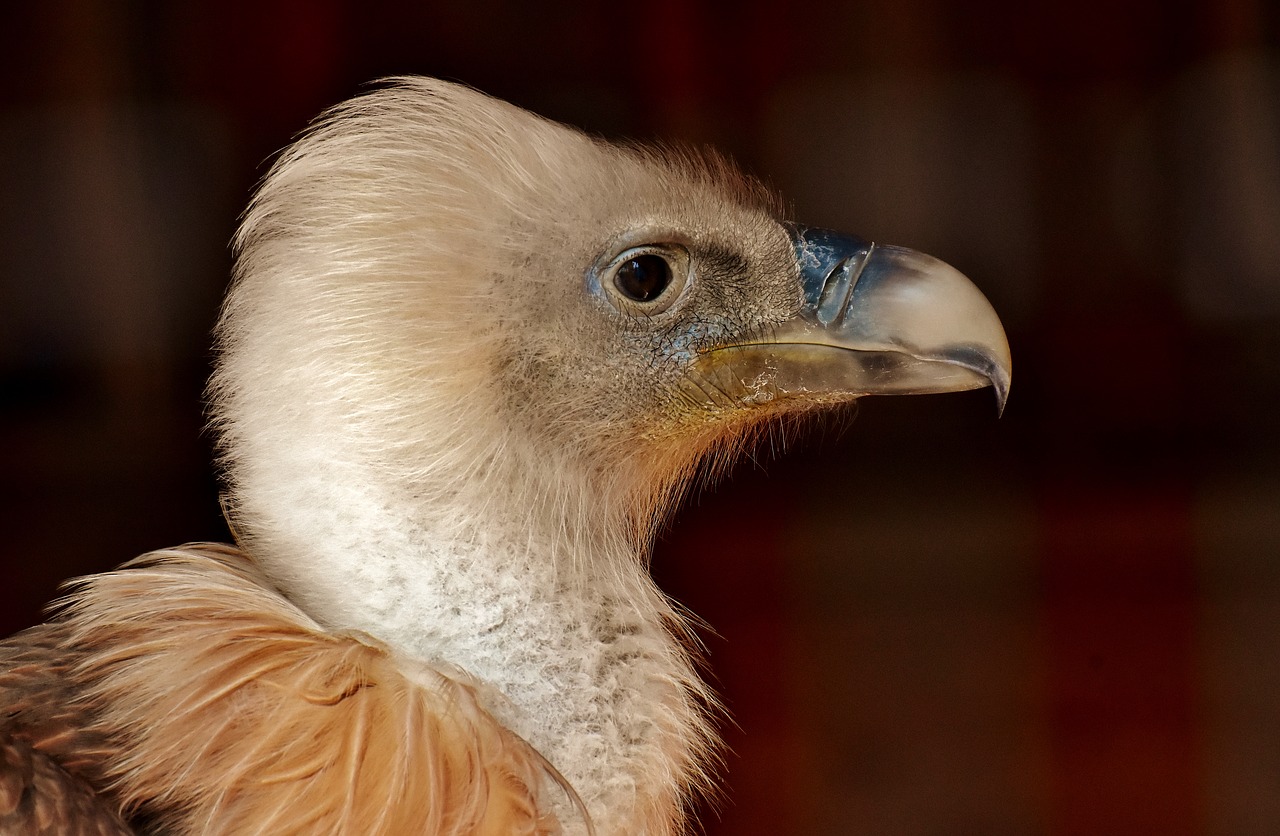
236,712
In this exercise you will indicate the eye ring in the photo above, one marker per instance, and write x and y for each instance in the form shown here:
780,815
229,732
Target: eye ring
645,280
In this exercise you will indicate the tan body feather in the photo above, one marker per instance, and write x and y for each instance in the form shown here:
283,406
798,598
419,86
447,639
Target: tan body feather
219,708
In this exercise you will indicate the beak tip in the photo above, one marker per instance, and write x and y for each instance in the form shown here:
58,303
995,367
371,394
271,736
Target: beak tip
1000,373
1001,387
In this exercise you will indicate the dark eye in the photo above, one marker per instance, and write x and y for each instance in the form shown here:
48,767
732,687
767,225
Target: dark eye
643,278
643,282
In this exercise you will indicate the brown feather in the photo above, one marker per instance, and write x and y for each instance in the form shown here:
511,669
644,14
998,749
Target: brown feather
40,798
51,757
234,712
38,695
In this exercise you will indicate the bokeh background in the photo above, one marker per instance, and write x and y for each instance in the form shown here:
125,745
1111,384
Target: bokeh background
926,621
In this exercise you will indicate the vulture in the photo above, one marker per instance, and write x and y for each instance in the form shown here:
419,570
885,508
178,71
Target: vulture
469,359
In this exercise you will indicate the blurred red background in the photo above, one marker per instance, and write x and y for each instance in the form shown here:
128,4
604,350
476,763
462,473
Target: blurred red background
1065,621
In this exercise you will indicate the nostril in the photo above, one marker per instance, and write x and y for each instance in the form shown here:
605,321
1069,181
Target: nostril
837,290
830,264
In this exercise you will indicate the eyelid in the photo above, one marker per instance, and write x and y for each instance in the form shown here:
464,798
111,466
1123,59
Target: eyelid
666,251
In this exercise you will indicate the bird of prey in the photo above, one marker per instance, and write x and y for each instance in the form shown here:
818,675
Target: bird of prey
469,359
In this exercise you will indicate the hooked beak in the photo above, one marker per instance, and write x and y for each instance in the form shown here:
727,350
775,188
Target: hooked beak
876,320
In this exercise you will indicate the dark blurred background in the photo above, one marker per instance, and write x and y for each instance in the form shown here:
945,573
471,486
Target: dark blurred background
929,621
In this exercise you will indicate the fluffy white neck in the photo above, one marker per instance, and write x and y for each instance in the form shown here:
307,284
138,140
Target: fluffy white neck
559,618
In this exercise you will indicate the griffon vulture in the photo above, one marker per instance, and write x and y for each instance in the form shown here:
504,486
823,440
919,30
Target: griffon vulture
468,359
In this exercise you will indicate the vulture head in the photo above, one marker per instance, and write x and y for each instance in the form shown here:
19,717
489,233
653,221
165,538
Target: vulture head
470,355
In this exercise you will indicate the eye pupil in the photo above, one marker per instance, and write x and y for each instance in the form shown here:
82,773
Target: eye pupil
643,278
